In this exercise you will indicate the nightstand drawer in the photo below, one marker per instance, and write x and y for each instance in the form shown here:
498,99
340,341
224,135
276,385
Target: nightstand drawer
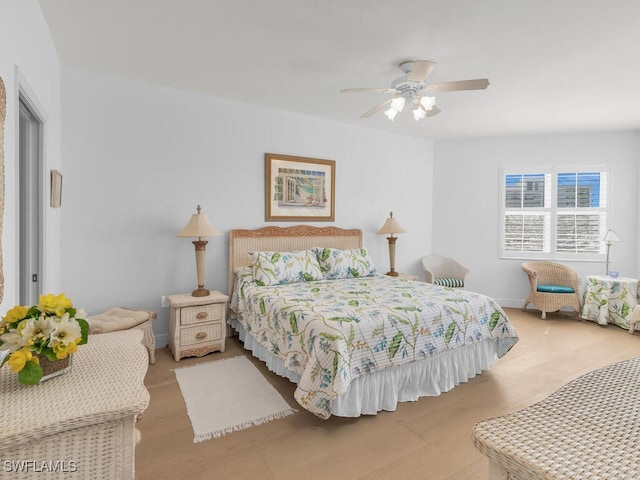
200,314
201,334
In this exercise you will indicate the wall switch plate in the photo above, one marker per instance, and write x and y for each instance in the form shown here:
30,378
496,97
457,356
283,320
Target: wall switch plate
164,303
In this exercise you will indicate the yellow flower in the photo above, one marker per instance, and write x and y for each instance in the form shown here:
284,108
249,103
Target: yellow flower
19,358
53,328
51,303
61,350
16,313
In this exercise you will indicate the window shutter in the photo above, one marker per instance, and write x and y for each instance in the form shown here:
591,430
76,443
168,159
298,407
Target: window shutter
526,213
581,216
554,215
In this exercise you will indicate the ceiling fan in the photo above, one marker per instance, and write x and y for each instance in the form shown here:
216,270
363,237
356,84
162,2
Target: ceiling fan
412,88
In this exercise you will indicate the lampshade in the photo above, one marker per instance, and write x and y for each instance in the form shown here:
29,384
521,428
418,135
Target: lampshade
391,226
397,104
611,237
199,226
427,102
419,113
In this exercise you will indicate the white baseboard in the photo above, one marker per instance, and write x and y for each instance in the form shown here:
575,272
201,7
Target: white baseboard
509,302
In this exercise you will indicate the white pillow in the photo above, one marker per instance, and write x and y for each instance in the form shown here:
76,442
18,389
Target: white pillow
273,268
345,263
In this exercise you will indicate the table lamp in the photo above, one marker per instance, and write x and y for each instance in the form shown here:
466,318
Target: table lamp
199,226
391,227
609,238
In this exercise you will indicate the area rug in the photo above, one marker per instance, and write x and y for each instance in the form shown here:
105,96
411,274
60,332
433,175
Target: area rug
227,395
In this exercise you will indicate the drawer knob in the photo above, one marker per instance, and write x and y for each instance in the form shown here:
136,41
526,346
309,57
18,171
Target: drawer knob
202,315
201,335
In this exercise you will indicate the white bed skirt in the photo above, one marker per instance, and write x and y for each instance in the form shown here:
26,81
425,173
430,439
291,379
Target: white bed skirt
384,389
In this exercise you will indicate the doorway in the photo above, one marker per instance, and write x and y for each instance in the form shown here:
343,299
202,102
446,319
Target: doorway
31,183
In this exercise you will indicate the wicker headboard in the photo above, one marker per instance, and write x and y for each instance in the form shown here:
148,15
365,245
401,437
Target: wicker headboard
286,239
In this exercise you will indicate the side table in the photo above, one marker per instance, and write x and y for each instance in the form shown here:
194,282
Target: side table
610,300
197,324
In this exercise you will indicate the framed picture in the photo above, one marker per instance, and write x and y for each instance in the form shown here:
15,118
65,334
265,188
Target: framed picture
299,189
56,189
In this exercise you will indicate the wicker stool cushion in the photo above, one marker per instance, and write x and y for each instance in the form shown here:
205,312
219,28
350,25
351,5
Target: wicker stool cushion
116,319
554,289
119,318
588,429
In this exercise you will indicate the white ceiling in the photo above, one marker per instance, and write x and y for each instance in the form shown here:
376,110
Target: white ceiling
554,65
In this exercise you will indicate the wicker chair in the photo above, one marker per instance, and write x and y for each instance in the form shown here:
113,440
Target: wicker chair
444,271
553,286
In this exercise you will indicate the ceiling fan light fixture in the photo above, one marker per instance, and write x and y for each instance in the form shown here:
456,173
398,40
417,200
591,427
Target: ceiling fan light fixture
419,113
397,103
391,113
427,102
411,87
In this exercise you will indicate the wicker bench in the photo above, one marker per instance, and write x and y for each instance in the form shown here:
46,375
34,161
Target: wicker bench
79,425
588,429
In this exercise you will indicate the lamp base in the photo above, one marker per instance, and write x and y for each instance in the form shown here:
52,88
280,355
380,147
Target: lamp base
392,273
200,292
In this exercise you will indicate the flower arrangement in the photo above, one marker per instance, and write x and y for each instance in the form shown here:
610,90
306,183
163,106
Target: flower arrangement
53,329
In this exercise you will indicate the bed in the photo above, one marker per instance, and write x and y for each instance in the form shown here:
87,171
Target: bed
353,340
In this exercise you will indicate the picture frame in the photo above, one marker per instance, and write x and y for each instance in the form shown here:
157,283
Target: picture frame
299,189
56,189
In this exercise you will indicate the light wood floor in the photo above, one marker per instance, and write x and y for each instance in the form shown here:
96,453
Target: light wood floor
429,439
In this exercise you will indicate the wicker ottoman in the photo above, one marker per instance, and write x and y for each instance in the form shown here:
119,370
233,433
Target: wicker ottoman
120,318
588,429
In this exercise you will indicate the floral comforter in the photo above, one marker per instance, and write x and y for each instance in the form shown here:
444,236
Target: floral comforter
332,331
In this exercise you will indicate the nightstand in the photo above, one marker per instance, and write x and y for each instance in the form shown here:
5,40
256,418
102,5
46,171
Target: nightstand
197,325
408,276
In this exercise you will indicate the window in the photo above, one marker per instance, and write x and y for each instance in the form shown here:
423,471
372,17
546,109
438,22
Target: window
559,214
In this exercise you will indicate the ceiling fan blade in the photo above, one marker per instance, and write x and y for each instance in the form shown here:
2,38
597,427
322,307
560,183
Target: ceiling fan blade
377,108
420,71
477,84
368,90
433,111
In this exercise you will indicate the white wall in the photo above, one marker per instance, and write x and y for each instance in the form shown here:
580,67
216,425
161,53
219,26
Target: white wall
637,205
28,61
139,158
466,202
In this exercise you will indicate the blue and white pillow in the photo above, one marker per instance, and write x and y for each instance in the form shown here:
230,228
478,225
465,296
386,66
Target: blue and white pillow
449,282
345,263
273,268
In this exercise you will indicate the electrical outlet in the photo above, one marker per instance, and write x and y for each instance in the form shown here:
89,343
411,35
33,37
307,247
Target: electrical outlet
164,303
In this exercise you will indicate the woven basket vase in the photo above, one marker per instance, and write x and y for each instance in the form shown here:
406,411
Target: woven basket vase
53,369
